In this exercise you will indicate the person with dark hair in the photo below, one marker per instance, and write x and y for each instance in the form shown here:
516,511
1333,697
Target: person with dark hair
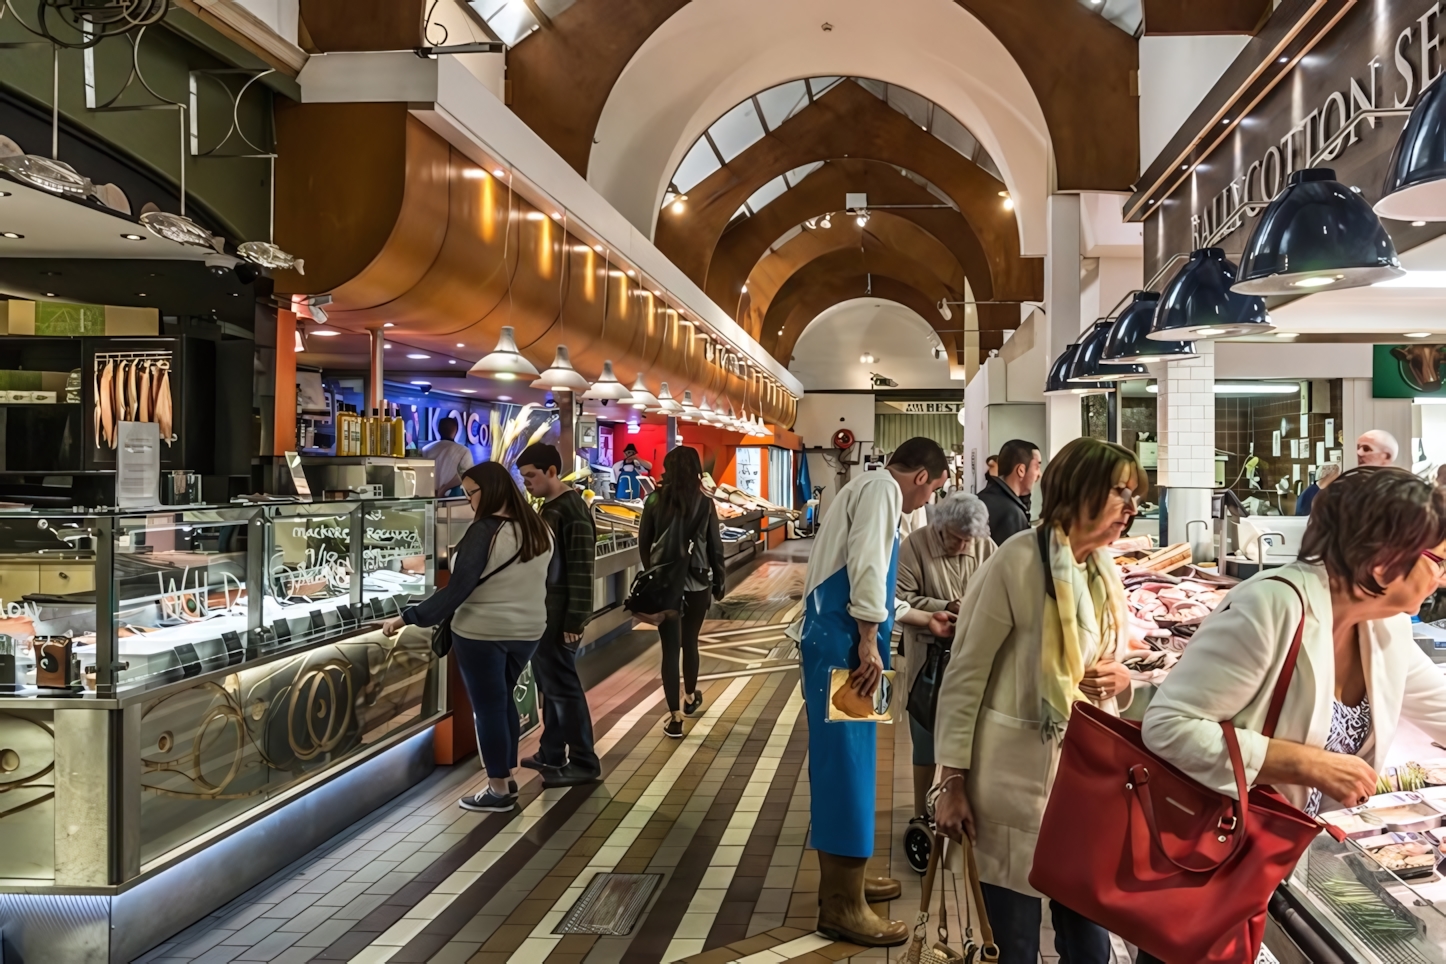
1007,490
450,458
1040,628
495,598
991,466
1372,552
626,473
565,754
848,616
680,502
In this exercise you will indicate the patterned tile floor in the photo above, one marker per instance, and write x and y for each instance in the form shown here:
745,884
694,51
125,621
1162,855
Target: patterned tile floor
721,815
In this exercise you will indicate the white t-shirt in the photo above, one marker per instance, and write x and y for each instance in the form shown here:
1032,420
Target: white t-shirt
452,459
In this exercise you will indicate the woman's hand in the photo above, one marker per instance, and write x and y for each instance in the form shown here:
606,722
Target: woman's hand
393,626
866,678
1105,679
1341,776
952,813
942,623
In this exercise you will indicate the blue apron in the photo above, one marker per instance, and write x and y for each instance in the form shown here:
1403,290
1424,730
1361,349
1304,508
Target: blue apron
628,486
842,756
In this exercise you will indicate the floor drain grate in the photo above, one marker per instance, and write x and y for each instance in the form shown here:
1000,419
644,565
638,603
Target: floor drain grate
610,906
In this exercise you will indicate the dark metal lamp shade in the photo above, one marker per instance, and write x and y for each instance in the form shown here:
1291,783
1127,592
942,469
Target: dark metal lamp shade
1198,302
1316,234
1129,339
1415,187
1058,382
1089,364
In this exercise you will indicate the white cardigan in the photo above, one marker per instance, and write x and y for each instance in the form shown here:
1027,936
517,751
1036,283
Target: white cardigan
1228,672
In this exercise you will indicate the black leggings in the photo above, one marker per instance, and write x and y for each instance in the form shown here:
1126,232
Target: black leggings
680,636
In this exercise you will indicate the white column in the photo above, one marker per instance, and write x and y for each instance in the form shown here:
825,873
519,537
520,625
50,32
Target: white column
1062,305
1186,418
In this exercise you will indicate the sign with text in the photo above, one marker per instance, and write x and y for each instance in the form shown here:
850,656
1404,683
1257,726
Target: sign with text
927,408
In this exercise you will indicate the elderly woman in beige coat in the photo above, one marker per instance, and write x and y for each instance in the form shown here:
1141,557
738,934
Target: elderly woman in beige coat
1039,628
935,564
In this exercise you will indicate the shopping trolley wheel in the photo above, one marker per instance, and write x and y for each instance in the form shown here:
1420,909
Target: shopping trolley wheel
917,840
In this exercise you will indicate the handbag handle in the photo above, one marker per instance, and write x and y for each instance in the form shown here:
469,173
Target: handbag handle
990,950
1139,776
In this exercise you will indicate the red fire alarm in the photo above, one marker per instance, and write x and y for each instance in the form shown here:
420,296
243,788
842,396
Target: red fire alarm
843,440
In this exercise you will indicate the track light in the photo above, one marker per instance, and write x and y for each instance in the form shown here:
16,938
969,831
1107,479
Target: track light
679,204
826,222
1008,201
944,309
862,218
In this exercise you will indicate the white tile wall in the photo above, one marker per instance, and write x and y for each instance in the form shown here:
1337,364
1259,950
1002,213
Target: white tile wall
1187,420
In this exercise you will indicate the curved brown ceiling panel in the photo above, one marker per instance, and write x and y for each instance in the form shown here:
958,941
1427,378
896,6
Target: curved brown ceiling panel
1078,64
816,295
748,239
848,122
461,258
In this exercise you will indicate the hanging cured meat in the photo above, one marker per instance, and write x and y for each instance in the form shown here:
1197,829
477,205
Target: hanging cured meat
133,407
163,403
95,403
105,405
143,392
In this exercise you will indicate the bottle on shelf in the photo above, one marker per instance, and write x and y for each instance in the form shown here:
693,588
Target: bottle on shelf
399,433
384,430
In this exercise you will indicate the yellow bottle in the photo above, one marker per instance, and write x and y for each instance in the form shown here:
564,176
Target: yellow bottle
399,433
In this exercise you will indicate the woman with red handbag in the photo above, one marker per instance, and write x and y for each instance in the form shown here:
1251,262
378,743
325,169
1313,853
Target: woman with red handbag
1039,628
1372,553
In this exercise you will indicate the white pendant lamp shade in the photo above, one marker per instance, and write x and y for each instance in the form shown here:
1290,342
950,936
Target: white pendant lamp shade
690,411
504,363
561,377
643,400
706,415
607,387
667,403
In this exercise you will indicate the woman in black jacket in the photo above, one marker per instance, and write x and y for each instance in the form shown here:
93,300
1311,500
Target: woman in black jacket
680,499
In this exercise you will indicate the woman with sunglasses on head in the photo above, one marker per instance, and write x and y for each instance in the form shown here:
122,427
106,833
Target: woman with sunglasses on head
1040,627
496,597
1371,554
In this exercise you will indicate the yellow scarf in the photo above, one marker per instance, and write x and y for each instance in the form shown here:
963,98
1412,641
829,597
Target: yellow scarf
1062,658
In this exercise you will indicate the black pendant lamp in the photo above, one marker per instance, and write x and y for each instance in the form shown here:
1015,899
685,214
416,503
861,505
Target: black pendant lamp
1090,366
1129,339
1199,302
1059,383
1415,187
1316,234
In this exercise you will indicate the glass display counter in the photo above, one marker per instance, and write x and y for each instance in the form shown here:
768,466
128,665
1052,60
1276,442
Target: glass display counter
169,675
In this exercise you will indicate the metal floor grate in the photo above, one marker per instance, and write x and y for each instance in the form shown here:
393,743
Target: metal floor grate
610,905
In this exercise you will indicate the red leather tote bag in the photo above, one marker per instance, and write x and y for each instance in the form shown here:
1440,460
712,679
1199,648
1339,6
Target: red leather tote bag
1145,851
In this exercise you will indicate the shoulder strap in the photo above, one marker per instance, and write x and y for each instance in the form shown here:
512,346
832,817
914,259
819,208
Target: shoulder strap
515,556
1042,536
1287,669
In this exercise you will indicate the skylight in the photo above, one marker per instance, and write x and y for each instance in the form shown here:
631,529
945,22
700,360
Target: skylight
748,122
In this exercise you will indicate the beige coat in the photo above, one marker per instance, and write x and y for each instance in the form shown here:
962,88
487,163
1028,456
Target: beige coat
988,719
929,581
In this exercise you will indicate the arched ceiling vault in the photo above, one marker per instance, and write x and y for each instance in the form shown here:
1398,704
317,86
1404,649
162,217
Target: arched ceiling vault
848,122
748,240
883,233
1038,81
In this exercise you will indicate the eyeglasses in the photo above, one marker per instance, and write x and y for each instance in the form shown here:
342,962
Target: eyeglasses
1128,497
1440,562
471,493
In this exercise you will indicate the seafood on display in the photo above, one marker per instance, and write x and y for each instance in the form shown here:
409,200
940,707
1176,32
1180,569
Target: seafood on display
131,389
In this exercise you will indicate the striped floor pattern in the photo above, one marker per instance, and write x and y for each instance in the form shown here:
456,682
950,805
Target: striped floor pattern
721,815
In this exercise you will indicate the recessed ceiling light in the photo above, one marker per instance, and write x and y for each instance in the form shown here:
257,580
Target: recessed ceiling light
631,272
1418,224
133,237
472,174
1284,59
1418,334
325,333
598,248
417,355
235,295
500,398
11,235
50,294
468,391
557,214
498,172
387,347
140,294
461,344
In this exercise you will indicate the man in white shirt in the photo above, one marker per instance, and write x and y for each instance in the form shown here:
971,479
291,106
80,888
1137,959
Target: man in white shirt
451,457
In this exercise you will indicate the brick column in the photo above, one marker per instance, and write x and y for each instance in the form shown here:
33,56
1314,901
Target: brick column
1186,419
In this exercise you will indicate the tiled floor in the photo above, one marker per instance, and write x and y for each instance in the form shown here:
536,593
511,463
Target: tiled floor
721,815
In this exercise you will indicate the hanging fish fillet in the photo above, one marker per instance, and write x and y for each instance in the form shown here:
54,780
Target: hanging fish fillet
163,403
105,403
143,392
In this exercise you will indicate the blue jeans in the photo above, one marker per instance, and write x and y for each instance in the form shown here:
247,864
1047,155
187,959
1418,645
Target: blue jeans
1015,918
490,669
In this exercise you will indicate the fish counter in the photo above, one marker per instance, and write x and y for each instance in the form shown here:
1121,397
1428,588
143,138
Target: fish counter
171,678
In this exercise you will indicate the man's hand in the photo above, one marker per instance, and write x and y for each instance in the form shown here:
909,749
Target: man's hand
953,607
572,637
952,813
866,678
942,623
1105,679
393,626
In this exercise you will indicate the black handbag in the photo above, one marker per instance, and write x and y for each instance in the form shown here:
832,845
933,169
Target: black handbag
924,696
657,591
442,632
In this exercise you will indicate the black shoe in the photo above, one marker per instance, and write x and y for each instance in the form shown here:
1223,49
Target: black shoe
694,704
512,787
535,762
489,802
574,774
673,728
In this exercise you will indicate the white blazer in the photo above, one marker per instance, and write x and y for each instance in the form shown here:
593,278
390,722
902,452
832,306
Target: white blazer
1229,670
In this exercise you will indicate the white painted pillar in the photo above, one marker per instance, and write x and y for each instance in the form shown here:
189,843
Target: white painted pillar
1062,305
1186,418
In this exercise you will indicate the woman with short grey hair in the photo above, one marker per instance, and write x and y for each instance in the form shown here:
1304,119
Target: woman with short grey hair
935,564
